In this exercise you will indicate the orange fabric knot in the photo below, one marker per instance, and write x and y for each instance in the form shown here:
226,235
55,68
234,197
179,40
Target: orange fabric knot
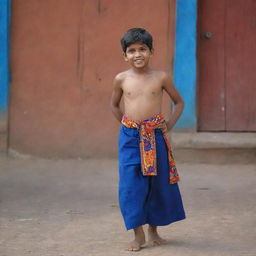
148,145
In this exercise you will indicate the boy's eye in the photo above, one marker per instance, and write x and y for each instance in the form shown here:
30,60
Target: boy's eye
143,49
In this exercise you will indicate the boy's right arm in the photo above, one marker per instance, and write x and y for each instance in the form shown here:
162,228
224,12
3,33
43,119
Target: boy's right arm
116,98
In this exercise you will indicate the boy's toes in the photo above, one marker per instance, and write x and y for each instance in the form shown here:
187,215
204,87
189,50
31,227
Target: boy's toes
154,243
156,240
133,246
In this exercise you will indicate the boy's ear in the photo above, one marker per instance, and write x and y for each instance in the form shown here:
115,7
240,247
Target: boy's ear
152,51
125,57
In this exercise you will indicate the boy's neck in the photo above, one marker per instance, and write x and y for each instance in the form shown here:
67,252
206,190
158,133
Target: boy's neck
144,70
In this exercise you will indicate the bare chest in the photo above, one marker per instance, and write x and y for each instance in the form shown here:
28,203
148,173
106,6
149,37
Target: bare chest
147,89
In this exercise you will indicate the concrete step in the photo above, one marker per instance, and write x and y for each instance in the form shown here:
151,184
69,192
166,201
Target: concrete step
214,147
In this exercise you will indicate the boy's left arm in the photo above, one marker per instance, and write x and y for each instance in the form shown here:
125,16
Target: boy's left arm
168,86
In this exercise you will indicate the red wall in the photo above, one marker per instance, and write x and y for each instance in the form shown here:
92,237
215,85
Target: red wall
64,55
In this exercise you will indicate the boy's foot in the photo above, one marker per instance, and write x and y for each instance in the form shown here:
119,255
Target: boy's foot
154,238
135,245
139,240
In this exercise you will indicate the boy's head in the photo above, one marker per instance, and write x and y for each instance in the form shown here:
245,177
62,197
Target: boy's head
136,35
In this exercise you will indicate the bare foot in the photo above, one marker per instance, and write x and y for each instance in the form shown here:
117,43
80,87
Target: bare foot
139,240
154,238
135,245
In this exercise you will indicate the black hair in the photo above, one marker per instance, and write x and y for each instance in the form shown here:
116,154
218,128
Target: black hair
136,35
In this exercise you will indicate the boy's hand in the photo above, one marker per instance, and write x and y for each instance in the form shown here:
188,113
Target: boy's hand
169,125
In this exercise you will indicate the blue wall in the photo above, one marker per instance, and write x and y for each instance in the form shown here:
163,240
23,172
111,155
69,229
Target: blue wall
185,61
4,52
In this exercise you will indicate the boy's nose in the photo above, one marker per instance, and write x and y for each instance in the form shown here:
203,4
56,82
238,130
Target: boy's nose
137,53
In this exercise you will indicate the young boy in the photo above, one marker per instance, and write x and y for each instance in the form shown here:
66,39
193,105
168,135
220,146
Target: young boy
148,189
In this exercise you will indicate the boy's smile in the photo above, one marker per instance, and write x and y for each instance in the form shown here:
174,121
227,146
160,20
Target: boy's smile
138,55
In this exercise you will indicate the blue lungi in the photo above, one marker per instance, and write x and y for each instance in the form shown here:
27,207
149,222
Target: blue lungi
146,199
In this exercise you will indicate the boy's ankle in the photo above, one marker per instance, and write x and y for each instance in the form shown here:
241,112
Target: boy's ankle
152,229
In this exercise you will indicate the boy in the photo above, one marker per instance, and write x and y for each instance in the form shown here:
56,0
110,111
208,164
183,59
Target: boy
148,189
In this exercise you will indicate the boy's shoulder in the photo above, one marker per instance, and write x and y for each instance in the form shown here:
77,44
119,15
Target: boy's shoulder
161,76
119,79
160,73
121,76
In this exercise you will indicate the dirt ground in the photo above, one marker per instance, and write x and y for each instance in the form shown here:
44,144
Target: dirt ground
70,208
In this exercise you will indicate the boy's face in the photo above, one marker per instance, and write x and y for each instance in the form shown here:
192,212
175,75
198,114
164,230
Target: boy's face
138,55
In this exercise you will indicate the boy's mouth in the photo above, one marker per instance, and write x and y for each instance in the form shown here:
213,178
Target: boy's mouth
138,60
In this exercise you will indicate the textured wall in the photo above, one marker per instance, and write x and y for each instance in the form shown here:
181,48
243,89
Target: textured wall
64,55
185,61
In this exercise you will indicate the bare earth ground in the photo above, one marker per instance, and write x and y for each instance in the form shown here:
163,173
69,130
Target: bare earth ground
69,208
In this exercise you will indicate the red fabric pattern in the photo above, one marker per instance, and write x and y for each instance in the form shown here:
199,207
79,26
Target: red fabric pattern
148,145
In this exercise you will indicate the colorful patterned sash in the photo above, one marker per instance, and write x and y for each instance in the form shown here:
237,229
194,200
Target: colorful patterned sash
148,145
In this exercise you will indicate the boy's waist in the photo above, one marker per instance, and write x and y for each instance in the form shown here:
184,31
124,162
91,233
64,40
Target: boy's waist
155,122
135,132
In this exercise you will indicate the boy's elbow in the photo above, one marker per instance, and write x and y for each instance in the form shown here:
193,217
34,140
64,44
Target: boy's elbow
180,102
113,106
